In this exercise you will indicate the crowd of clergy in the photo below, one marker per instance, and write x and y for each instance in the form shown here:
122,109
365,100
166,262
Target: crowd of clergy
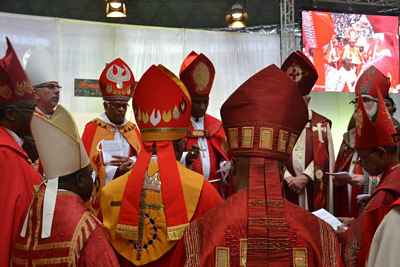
178,187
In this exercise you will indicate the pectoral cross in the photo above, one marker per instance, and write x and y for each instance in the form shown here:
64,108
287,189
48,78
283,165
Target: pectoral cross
320,129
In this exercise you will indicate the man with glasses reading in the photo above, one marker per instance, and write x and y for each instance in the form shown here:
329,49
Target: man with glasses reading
110,140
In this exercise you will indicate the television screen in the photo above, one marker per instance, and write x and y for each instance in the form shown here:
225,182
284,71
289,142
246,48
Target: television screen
342,45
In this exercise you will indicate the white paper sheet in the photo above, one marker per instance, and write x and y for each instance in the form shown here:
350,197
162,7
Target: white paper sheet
112,148
324,215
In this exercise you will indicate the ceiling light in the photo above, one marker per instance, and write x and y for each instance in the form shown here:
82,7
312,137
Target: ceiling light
236,17
115,9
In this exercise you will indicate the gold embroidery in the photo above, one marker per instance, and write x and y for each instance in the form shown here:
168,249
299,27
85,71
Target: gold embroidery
167,116
266,138
5,91
23,87
176,232
222,257
201,77
300,257
233,137
192,246
329,245
127,231
52,261
243,252
292,142
282,140
247,137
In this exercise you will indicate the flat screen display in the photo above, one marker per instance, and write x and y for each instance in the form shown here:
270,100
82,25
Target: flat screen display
342,45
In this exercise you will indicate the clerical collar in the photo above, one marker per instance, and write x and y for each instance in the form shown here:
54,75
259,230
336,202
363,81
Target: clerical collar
17,139
104,118
198,125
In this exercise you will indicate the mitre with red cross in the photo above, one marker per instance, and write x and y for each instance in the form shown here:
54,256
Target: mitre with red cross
373,128
117,82
370,82
197,73
14,84
301,71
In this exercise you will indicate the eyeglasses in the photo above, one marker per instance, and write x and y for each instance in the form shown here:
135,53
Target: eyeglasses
118,105
50,86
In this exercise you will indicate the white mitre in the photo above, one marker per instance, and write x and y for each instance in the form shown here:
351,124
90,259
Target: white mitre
40,66
61,152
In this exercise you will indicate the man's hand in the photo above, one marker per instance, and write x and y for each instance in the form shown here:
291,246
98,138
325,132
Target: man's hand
192,155
357,180
124,164
297,183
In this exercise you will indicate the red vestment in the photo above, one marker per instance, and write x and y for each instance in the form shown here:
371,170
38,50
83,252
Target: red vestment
16,191
216,142
357,239
76,240
319,154
315,241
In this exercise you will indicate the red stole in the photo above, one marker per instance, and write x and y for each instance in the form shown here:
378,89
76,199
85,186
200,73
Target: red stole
318,152
68,236
216,141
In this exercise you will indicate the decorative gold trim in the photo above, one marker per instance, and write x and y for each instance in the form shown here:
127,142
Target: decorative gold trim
283,139
247,137
300,257
176,232
127,231
266,138
162,134
222,258
292,142
243,252
201,77
233,137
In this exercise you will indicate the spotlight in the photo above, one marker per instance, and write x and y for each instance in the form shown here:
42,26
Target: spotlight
115,9
236,17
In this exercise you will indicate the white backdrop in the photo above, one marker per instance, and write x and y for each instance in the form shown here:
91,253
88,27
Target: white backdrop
82,48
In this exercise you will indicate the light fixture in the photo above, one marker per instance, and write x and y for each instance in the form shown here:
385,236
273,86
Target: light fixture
115,9
236,17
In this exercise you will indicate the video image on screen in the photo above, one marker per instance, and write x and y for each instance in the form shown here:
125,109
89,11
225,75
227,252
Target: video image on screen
342,45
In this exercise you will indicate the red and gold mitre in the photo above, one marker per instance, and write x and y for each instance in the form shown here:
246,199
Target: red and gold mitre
300,69
14,84
373,129
162,105
162,110
370,82
255,130
197,73
117,82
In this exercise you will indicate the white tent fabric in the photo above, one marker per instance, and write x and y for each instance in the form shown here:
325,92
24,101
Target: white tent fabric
82,48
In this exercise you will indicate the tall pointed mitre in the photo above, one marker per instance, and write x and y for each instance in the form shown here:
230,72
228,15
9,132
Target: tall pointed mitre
58,142
14,84
61,152
370,82
116,81
301,70
40,66
373,129
197,73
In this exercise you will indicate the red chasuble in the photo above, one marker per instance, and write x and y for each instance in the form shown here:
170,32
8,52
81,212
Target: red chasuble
216,141
16,191
226,242
358,238
77,237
